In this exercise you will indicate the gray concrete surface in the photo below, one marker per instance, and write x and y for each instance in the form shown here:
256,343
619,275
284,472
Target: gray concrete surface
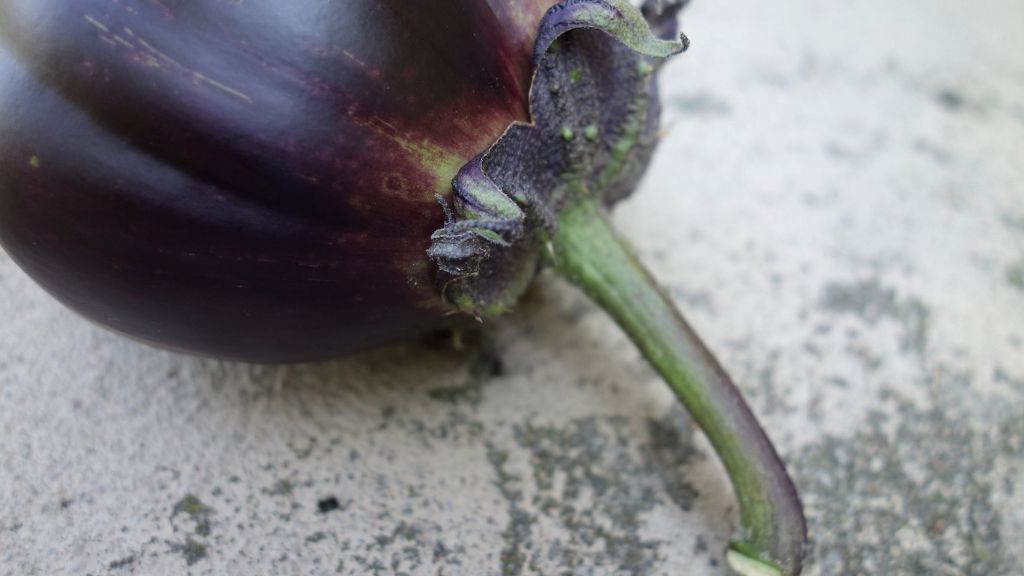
838,205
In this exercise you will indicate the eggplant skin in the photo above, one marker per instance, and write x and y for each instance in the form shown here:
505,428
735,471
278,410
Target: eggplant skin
249,180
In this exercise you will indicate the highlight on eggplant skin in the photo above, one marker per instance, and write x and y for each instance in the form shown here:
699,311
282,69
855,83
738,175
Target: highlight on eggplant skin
248,180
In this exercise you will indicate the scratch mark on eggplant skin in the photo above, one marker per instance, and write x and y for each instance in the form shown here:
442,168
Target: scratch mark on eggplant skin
159,54
120,40
154,56
223,87
97,24
370,70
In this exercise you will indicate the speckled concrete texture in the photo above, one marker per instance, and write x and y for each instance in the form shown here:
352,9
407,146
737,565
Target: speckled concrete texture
838,206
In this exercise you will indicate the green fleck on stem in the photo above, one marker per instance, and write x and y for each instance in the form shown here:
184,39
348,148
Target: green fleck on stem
590,132
588,252
34,162
566,133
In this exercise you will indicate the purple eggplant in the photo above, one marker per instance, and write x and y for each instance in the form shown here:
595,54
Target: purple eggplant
283,181
248,180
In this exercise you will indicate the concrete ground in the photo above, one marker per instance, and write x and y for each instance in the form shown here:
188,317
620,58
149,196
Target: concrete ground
838,206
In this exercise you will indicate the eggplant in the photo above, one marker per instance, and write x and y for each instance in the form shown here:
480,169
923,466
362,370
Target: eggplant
252,181
275,182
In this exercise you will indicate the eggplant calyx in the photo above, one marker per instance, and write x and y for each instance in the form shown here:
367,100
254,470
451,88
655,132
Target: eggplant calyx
481,250
594,121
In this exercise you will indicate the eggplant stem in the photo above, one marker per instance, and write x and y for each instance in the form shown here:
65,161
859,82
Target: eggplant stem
592,255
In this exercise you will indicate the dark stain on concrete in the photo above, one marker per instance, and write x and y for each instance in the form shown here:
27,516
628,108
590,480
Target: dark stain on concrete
849,148
693,299
872,302
191,507
910,494
329,504
469,393
950,99
282,487
404,542
935,152
517,532
1001,376
700,104
407,548
838,382
316,537
1015,275
1014,223
191,549
770,400
591,479
125,562
671,448
303,450
485,365
199,513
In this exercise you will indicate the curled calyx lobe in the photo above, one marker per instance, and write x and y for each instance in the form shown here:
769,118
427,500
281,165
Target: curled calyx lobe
593,126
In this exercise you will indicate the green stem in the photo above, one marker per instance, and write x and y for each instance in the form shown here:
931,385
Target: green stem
588,251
